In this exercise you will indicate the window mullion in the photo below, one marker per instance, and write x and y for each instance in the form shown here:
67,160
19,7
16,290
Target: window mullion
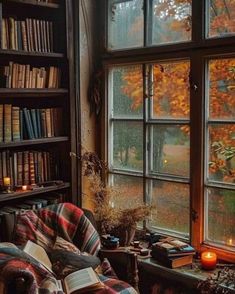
196,146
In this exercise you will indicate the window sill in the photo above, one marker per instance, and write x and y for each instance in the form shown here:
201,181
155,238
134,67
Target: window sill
189,276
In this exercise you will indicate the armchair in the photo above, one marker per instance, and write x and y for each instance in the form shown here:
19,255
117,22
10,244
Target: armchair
74,225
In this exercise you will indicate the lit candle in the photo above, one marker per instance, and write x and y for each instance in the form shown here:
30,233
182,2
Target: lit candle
24,187
230,241
6,181
208,260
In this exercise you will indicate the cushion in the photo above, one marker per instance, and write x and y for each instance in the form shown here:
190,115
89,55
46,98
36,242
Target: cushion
65,262
62,244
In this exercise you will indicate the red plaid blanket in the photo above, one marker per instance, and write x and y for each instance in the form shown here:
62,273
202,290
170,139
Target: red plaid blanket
17,265
65,220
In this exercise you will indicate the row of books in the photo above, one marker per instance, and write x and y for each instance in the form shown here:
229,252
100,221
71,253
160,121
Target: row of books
33,204
28,35
21,123
172,252
17,75
27,167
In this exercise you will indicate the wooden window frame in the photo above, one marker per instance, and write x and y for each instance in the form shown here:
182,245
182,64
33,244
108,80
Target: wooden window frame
198,51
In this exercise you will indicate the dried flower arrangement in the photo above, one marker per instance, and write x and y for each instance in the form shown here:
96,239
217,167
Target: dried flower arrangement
222,282
107,216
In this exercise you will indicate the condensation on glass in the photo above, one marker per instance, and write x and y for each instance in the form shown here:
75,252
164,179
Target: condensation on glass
125,24
170,21
170,150
172,206
129,191
220,18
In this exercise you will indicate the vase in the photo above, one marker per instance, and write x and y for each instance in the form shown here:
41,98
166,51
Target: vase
125,234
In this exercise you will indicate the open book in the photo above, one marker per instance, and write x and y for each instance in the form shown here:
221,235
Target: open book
81,281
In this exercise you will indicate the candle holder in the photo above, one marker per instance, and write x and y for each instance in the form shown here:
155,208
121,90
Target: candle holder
7,185
24,188
208,260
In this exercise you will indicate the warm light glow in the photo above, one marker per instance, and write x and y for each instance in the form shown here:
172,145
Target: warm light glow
165,161
24,187
6,181
208,260
230,241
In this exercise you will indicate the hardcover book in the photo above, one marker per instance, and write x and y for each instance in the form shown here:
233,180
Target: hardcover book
81,281
173,248
172,262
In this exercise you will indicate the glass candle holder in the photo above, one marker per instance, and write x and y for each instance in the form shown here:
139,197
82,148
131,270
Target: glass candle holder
208,260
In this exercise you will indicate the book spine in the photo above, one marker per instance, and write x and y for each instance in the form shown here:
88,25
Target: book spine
16,123
34,122
1,122
19,168
31,168
26,167
28,124
7,123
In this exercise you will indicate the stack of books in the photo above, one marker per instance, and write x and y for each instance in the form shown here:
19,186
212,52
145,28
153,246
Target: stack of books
173,253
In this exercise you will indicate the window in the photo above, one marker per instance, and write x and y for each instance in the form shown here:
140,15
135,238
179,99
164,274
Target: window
171,114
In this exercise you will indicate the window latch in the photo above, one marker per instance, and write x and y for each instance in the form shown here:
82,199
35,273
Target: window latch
194,215
194,87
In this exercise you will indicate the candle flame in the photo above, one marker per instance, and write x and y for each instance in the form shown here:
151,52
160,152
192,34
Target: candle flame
230,241
208,255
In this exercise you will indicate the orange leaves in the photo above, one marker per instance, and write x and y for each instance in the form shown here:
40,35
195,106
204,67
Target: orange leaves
133,85
171,89
222,17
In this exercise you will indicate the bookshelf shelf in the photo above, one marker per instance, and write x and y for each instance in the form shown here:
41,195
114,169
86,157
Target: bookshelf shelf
35,3
19,195
33,142
31,53
32,92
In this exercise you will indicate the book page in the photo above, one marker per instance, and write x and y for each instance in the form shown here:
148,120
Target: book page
81,279
39,253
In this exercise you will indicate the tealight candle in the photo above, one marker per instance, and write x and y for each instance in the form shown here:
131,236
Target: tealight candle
208,260
24,187
6,181
230,241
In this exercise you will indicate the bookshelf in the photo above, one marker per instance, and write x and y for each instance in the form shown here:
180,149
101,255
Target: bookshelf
37,109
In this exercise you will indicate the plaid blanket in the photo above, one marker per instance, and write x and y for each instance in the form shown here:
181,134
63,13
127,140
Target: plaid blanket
65,220
21,273
15,265
42,227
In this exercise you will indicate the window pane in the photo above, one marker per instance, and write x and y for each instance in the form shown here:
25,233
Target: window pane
128,145
221,18
222,88
172,205
222,153
171,21
171,90
127,88
220,216
126,24
129,191
170,150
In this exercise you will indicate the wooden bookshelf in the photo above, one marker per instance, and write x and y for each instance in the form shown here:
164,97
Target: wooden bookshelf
33,92
33,142
33,53
26,194
62,96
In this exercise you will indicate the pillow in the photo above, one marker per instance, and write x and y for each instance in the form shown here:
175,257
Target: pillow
62,244
65,262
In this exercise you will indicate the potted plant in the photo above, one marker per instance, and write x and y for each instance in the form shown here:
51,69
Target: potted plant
120,222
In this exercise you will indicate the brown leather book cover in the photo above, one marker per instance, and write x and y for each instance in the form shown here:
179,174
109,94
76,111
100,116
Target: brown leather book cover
7,123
